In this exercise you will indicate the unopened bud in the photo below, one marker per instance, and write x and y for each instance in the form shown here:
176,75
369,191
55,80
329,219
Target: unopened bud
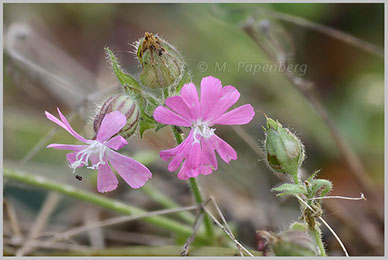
295,243
126,105
284,151
162,64
265,240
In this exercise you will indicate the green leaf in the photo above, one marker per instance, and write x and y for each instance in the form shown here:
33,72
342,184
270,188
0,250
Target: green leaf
151,104
131,86
147,103
318,184
313,175
146,121
289,189
160,126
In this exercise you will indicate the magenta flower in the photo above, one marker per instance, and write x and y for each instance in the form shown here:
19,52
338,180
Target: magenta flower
198,149
100,152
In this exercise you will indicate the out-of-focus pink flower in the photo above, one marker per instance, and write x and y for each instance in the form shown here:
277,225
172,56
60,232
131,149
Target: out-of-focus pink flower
198,149
100,153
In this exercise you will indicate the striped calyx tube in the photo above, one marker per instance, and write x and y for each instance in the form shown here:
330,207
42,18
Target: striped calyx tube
126,105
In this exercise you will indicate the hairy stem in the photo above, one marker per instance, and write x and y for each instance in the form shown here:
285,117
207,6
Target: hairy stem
318,239
196,191
295,177
101,201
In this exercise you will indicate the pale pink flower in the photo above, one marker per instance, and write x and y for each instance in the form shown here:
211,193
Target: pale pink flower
100,153
198,149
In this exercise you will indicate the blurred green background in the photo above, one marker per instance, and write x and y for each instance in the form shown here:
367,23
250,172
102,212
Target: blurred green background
54,57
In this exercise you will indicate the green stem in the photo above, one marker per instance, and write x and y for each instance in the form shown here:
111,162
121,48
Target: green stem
196,191
199,199
110,204
295,177
318,239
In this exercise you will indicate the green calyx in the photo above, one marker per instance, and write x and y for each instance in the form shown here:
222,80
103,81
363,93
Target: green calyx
284,151
127,106
162,65
295,243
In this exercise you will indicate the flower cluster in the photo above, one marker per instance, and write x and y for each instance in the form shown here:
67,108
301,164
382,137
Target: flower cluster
196,153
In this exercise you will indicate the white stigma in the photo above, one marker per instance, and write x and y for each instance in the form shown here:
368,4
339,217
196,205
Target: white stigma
202,129
95,148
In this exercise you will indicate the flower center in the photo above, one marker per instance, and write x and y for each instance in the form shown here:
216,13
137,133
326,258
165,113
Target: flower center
95,148
202,129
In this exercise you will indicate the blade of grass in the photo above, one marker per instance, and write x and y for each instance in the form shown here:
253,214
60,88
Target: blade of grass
101,201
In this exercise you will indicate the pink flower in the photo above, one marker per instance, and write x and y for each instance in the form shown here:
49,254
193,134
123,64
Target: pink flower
100,152
198,149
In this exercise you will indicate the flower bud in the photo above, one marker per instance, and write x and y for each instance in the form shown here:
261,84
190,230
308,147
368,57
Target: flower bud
284,151
265,241
162,64
295,243
126,105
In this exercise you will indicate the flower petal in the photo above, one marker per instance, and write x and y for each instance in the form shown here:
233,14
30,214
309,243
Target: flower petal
116,142
194,156
177,104
133,172
179,153
238,116
210,92
190,95
208,157
187,172
106,179
226,152
192,164
164,115
111,125
71,147
170,153
65,125
229,96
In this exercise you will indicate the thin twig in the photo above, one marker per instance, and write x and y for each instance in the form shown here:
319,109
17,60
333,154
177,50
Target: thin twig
364,45
327,225
362,197
225,222
190,239
14,220
40,222
114,221
238,244
43,244
96,236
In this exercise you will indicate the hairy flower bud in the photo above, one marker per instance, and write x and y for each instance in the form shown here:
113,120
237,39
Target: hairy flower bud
126,105
162,64
284,151
295,243
265,240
